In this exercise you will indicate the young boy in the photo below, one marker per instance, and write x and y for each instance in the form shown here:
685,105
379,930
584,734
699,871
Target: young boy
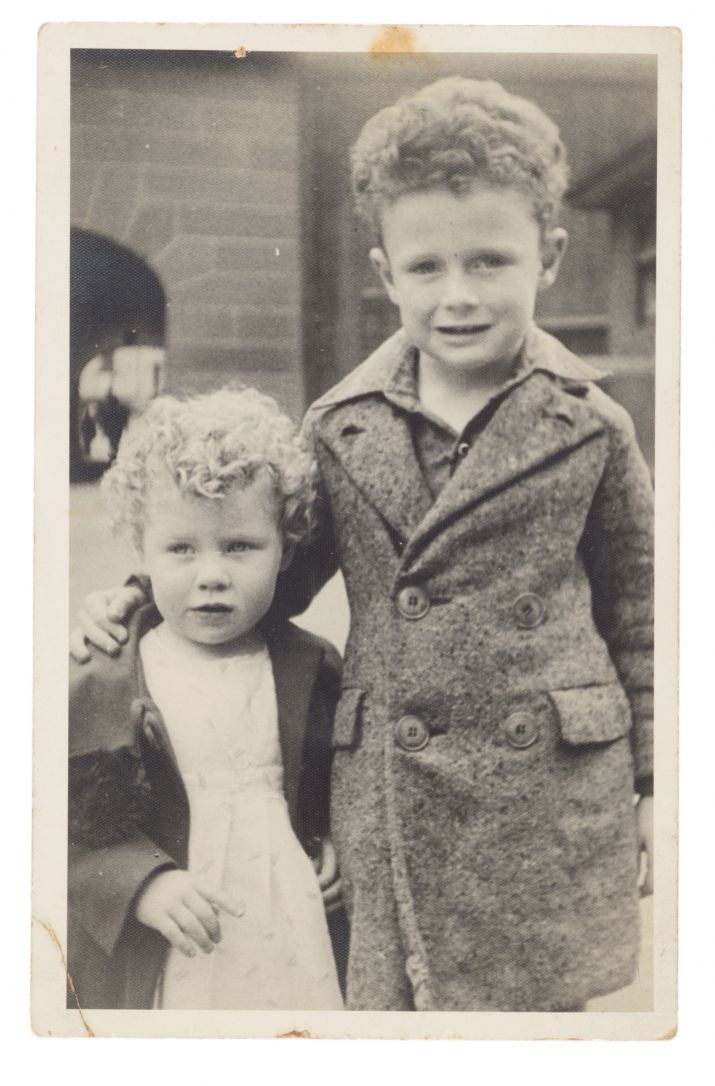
491,514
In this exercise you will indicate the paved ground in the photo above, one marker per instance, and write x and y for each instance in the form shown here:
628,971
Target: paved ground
99,561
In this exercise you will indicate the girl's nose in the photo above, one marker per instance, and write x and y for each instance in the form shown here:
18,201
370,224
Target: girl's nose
212,573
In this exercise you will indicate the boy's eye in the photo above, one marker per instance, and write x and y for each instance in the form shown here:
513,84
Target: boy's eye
237,546
424,267
488,262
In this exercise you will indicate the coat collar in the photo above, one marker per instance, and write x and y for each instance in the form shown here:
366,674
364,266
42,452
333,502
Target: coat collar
541,352
536,423
372,441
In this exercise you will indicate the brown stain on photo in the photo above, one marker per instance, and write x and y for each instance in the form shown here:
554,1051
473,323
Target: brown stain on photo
240,53
395,42
301,1034
395,39
53,936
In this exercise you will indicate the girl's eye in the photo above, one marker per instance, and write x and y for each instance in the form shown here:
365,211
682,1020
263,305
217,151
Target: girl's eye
180,548
237,546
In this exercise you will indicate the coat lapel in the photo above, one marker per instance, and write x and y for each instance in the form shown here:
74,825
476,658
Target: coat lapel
373,444
295,669
535,424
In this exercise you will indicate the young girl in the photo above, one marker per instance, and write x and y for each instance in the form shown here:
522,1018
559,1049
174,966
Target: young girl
199,759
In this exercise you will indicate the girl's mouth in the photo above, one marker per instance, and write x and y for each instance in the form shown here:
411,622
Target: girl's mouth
213,609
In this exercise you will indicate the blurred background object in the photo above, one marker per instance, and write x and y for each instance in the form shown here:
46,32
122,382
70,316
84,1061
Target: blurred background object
117,321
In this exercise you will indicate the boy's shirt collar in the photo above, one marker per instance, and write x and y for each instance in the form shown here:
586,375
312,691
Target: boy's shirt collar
390,371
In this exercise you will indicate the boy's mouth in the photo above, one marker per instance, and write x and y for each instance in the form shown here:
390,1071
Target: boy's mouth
461,329
213,609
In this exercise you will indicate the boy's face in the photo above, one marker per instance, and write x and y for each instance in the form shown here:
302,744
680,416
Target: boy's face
465,271
213,562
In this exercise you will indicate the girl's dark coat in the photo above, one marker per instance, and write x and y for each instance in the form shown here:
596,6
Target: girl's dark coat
509,873
128,810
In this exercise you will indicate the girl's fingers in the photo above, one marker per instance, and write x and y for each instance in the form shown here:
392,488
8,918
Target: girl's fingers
329,865
214,896
206,913
332,896
192,927
174,935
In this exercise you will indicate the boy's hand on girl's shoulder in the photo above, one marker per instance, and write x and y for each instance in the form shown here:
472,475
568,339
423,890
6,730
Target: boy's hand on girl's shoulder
326,867
644,815
101,621
185,911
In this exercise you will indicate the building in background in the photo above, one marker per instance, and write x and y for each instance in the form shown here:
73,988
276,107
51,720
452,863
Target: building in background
625,188
116,346
230,177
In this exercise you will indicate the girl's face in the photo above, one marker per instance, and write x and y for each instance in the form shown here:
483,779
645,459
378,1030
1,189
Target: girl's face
213,562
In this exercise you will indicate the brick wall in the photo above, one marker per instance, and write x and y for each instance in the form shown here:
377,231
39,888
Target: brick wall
192,160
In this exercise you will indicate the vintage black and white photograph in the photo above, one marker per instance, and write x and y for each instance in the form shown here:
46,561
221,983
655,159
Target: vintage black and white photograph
359,342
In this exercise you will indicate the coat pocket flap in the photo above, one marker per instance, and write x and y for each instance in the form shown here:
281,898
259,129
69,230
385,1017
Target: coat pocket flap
592,714
347,718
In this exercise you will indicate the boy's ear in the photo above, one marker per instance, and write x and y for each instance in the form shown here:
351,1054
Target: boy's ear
287,556
553,248
381,264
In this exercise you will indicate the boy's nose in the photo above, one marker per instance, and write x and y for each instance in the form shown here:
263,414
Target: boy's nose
460,290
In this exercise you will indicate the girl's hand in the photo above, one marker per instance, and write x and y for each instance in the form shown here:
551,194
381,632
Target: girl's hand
326,866
644,815
101,621
185,911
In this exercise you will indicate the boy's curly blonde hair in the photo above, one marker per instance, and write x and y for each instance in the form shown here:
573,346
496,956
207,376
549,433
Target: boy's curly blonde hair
450,134
207,444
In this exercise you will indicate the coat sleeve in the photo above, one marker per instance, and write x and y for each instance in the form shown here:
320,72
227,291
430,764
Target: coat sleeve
104,885
618,552
110,856
315,561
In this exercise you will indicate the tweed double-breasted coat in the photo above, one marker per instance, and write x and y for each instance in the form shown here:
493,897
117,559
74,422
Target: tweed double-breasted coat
128,808
496,709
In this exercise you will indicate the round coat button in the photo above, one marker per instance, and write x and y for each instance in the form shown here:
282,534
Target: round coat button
528,610
521,730
411,733
413,602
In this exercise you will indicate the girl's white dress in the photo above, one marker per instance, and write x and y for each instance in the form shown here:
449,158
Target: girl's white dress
222,718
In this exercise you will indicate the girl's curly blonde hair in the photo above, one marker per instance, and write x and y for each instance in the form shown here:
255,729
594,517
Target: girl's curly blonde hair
449,135
208,444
